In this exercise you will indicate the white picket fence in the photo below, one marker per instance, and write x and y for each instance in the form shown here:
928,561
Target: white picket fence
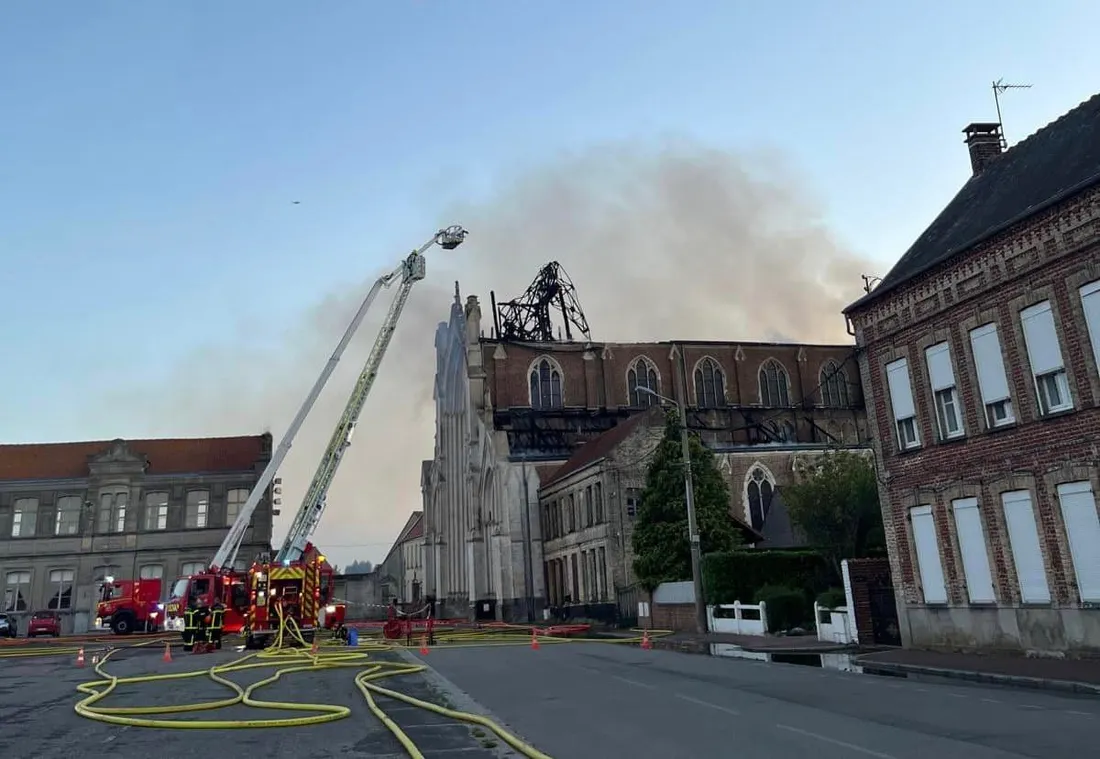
738,618
834,625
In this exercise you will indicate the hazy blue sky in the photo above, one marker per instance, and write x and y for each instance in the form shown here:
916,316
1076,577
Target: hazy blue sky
150,152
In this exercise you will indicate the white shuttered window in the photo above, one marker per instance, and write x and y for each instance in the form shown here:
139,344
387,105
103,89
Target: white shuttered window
941,375
972,547
1083,530
1023,537
1090,302
901,400
928,555
1045,356
992,379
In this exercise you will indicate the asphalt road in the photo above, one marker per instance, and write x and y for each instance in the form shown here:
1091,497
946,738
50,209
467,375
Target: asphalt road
581,700
37,718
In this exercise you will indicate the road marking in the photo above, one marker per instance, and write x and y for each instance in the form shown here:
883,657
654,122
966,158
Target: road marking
835,742
1079,714
1030,706
633,682
958,695
991,700
699,702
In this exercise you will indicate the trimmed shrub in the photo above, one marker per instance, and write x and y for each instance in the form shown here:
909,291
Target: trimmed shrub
740,575
786,607
833,598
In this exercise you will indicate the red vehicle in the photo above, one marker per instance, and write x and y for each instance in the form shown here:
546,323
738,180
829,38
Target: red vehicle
303,589
44,623
127,606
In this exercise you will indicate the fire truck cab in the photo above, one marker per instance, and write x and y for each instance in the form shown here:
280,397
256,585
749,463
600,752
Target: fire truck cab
127,606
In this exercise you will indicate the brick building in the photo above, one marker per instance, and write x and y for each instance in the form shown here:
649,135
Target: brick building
980,361
73,513
510,412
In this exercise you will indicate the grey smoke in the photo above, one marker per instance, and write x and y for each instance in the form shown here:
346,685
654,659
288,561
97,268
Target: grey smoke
666,241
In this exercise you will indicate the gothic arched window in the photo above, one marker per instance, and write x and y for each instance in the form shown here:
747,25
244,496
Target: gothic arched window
545,385
773,384
710,389
834,386
642,374
759,491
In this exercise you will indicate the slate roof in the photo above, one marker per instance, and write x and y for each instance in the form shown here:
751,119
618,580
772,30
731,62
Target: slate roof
601,446
1057,162
47,461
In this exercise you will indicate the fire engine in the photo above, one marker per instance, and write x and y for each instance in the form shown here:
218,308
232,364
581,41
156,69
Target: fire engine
298,582
127,606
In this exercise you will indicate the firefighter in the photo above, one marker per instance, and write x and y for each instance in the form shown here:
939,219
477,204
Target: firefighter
214,631
190,625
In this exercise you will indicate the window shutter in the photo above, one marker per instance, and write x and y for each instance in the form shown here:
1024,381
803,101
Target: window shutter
975,559
1083,530
1041,338
1090,302
901,392
989,361
928,555
940,372
1026,553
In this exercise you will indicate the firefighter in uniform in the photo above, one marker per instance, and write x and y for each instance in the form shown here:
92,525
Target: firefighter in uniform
214,631
190,625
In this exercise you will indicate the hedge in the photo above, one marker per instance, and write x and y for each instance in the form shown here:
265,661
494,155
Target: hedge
740,575
786,607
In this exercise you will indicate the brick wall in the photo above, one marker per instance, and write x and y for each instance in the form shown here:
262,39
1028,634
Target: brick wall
1046,258
861,574
678,617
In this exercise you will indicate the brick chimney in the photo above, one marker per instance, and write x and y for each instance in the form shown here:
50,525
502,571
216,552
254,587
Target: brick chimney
986,142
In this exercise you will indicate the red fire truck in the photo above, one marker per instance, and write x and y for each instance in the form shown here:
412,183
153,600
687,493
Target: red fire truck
127,606
298,582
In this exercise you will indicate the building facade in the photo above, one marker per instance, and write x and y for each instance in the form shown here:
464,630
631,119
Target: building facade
510,413
980,356
74,513
401,574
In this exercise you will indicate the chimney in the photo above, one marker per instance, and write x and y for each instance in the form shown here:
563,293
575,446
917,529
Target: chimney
986,142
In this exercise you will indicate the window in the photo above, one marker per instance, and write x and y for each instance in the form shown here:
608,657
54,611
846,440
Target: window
198,503
992,380
545,385
1045,357
24,517
1083,530
570,514
151,572
601,568
773,384
589,508
67,520
1090,303
633,502
710,385
972,548
112,511
234,500
61,589
156,511
834,386
1023,538
941,375
642,375
192,568
928,555
758,493
16,587
901,399
597,494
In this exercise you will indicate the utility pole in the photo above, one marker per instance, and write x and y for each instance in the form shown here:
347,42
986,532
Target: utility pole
693,527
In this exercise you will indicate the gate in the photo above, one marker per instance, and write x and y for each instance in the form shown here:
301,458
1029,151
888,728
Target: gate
626,602
884,610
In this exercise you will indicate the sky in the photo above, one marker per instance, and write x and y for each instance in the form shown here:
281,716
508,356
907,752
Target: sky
737,164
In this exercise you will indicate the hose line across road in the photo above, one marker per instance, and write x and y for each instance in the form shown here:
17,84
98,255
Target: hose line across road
291,655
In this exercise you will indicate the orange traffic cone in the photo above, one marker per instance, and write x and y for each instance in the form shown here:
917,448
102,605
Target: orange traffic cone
534,639
313,649
423,645
646,643
80,657
167,652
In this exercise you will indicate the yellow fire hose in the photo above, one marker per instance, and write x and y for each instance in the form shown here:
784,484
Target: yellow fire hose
286,658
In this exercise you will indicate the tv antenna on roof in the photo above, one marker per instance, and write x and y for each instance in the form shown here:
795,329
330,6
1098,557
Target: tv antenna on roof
999,88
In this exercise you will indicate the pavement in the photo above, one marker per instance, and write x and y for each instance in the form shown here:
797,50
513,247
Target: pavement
37,696
580,700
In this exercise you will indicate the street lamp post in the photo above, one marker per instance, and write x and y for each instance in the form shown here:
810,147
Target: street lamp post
693,526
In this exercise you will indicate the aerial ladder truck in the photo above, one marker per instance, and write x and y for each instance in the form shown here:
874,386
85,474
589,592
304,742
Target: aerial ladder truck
298,583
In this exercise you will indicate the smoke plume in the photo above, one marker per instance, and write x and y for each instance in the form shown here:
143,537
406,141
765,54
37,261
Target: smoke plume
673,241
